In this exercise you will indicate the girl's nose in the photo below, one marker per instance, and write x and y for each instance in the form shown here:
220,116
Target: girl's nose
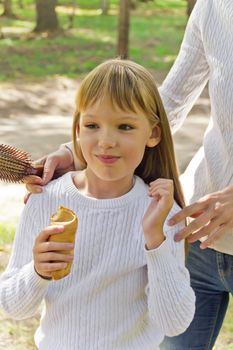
107,140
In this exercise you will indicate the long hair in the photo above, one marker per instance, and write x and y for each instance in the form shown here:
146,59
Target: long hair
131,87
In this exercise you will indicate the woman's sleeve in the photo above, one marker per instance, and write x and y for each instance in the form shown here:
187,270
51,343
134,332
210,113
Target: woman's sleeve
171,300
21,289
70,146
190,71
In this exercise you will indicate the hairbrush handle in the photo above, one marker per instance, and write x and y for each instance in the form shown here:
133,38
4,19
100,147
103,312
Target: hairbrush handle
37,169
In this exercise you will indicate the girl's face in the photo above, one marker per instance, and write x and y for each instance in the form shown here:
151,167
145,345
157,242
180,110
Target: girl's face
113,141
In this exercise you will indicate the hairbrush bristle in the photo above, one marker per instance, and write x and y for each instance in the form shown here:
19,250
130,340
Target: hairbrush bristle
15,164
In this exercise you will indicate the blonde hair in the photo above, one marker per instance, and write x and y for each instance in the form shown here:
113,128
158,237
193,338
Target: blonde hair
131,87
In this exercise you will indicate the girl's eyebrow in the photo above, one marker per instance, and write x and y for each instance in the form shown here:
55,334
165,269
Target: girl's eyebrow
123,117
88,116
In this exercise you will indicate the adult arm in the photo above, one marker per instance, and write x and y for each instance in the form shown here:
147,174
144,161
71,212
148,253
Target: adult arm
190,72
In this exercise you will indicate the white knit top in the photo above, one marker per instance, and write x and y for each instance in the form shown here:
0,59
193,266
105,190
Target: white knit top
118,295
206,55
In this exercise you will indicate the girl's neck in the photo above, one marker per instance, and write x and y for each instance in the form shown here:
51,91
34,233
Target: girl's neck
91,186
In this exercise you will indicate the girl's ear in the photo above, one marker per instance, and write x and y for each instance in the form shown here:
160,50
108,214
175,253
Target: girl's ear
155,137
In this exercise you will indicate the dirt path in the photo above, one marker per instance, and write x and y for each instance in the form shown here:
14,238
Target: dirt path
37,118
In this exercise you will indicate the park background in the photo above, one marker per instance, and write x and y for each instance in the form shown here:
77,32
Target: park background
46,48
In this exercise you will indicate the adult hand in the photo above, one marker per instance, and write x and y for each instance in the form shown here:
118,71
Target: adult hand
55,165
213,215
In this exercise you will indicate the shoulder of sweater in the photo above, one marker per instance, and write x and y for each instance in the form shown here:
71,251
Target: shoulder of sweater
200,14
58,188
51,189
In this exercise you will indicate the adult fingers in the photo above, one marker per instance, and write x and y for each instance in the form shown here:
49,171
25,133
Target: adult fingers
50,166
212,226
194,226
192,210
214,236
34,184
26,197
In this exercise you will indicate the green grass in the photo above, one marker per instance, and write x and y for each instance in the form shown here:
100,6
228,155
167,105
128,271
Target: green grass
6,234
155,35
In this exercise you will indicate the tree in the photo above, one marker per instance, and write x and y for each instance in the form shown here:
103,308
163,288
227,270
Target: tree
190,6
20,4
72,14
104,7
123,29
46,17
7,9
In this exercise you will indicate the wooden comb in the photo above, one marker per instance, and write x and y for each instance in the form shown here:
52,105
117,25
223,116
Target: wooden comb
16,164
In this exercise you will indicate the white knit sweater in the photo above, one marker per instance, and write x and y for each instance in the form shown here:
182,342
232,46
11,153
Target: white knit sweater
206,55
118,296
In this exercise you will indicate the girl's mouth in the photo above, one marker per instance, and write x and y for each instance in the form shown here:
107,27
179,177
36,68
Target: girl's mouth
107,159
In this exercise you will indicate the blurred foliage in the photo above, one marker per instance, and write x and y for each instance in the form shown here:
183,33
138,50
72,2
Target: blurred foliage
6,235
155,35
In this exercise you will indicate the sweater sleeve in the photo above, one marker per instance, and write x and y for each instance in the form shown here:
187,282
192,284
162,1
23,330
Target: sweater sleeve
70,146
21,289
190,72
171,300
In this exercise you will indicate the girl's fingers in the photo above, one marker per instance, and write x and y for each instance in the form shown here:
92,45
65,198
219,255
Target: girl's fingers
160,183
54,257
47,267
50,247
48,231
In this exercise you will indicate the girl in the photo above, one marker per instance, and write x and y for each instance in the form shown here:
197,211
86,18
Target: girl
128,286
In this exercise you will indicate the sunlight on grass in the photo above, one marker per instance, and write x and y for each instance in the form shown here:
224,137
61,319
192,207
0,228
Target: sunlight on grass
154,41
78,11
7,232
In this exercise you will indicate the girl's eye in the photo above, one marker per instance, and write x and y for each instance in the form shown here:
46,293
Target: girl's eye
125,127
91,126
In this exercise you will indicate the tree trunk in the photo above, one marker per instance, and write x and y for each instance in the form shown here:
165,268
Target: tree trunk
123,29
72,15
20,4
190,6
46,17
7,9
104,7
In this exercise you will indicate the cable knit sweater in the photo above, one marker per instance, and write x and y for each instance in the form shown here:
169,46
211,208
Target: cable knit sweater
118,296
206,55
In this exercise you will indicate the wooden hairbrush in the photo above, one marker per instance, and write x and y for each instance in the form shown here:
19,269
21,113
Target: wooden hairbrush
16,164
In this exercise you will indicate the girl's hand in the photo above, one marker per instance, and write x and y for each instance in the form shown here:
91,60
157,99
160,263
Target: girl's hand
162,193
213,217
55,165
49,256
